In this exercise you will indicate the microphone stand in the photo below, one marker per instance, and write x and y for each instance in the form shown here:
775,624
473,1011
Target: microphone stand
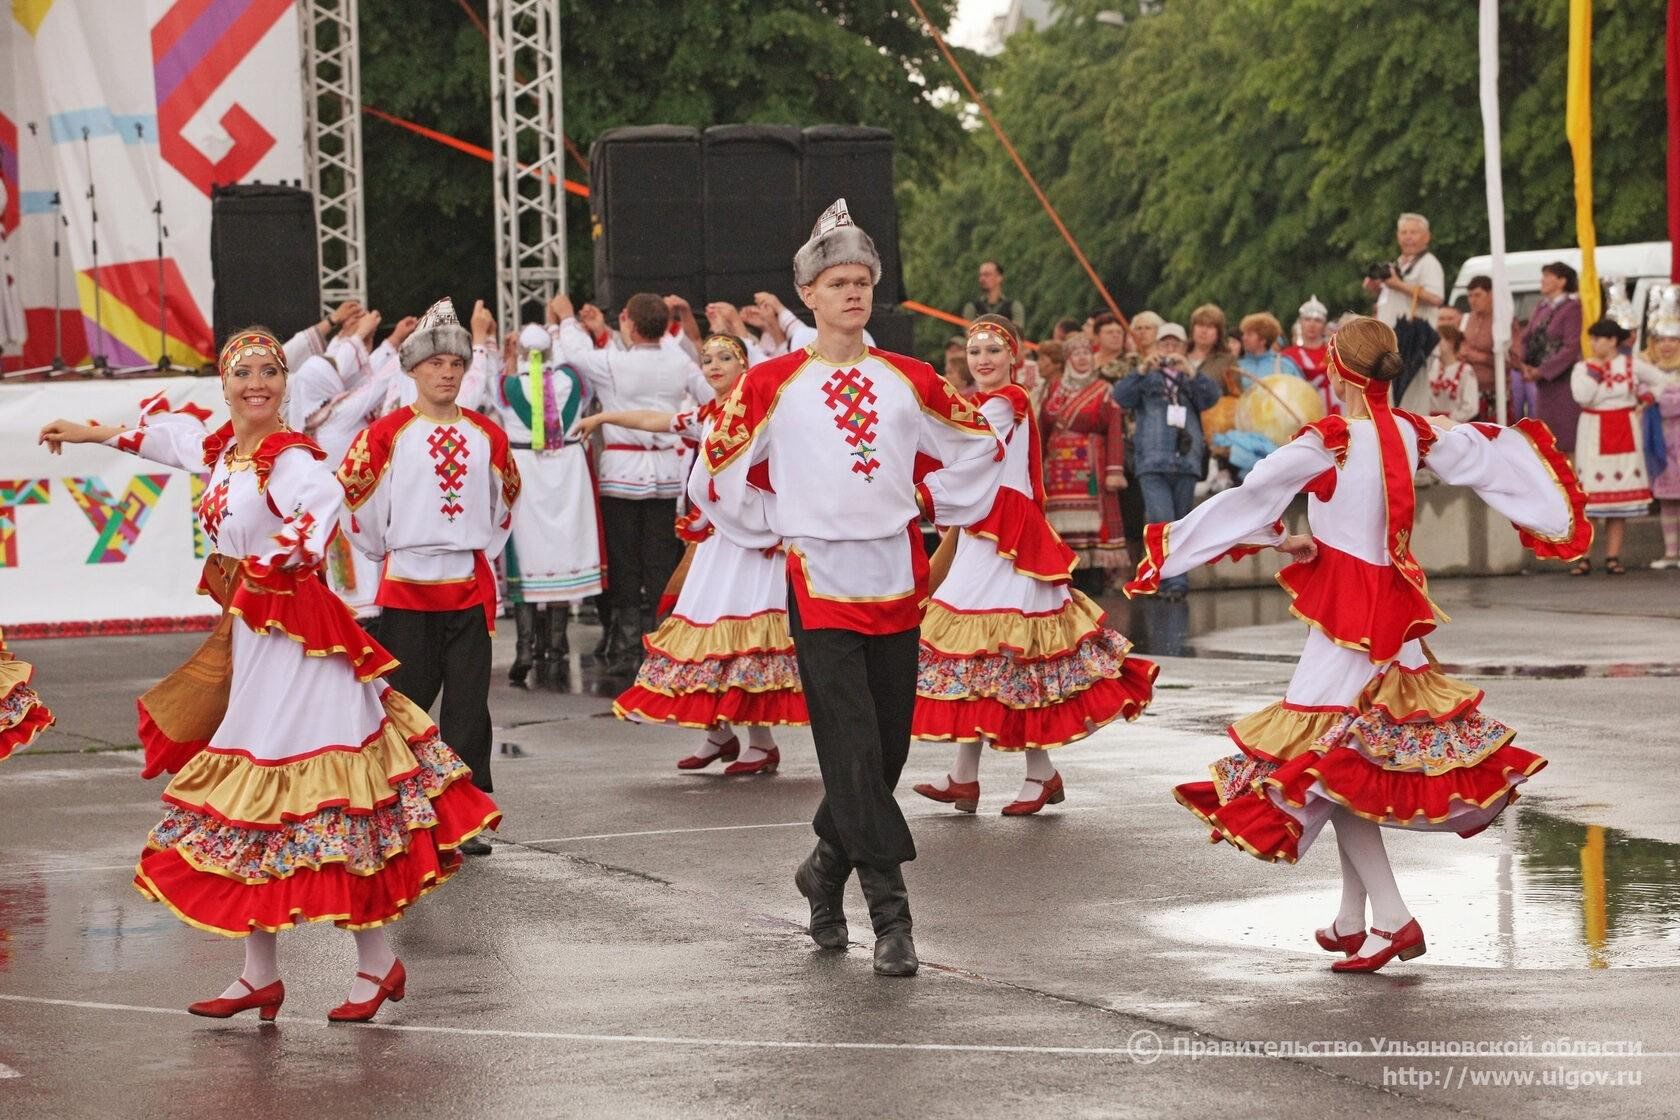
163,363
98,361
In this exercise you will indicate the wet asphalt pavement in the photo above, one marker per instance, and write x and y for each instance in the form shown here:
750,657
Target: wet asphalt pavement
634,947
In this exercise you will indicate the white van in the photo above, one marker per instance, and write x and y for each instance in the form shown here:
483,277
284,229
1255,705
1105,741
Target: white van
1640,267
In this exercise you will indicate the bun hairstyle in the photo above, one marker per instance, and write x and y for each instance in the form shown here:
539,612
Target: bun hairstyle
1367,346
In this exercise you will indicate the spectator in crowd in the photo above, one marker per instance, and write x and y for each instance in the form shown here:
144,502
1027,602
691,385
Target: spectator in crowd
1477,347
1449,316
1448,385
1084,465
1310,350
1063,328
1663,352
1207,353
956,366
992,301
1414,285
1050,365
1166,397
1109,339
1146,325
1260,355
1546,354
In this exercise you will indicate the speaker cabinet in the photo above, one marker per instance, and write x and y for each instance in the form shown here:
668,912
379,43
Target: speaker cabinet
263,259
645,203
752,211
855,163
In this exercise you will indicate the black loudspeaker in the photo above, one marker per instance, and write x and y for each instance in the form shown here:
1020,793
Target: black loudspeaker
855,163
645,208
263,261
891,327
752,211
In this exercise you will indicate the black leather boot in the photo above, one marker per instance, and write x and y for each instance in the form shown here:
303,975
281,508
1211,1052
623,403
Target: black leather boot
525,627
822,880
889,912
559,621
625,656
604,613
551,662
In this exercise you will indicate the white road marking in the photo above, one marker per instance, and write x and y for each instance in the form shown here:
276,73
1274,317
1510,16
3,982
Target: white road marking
7,1071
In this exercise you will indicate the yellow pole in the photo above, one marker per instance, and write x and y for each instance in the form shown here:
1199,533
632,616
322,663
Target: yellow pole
1595,916
1577,126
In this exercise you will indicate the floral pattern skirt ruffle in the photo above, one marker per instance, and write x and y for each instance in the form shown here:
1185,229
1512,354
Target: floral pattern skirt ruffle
1441,767
1015,703
356,866
740,671
22,715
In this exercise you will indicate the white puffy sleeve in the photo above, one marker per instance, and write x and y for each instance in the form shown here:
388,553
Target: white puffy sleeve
965,488
308,498
1244,518
174,438
1521,474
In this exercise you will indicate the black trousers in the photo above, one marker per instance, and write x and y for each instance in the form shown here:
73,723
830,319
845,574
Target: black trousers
861,692
447,651
642,551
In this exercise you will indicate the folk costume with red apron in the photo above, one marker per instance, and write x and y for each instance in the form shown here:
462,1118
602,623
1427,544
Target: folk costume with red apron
22,715
1609,440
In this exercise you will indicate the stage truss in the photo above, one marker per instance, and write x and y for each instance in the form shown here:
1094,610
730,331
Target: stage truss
525,114
332,107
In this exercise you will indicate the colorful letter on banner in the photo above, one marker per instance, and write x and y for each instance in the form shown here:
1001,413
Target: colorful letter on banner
1577,125
118,523
16,492
201,544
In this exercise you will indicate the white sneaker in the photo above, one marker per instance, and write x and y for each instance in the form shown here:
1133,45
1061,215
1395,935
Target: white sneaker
1665,563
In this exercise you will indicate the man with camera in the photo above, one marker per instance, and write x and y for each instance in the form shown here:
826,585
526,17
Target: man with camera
1167,397
1413,286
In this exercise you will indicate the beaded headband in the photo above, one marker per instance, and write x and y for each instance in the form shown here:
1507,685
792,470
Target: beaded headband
734,344
248,344
994,333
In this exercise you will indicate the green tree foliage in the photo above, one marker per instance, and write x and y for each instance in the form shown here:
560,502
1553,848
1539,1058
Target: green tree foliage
631,62
1251,152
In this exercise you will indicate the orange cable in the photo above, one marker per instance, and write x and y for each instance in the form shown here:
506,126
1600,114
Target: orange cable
1020,164
445,139
946,316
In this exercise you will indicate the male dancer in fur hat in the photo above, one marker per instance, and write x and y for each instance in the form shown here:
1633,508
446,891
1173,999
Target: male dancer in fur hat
816,451
431,487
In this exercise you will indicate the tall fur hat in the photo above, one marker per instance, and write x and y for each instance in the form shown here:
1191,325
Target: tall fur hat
439,332
835,240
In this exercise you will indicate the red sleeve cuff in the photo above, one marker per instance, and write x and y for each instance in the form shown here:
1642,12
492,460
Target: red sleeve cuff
924,499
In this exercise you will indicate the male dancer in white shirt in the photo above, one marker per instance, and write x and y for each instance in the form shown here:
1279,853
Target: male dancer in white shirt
816,451
431,488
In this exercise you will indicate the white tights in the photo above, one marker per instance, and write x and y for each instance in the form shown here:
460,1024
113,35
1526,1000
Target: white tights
262,962
1366,876
965,767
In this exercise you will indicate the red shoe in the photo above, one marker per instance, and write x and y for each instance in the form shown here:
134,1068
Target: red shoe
393,987
1346,944
728,753
765,765
268,999
1051,794
1405,943
964,796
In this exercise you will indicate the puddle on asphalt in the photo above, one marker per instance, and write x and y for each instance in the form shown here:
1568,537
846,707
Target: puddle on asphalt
1534,891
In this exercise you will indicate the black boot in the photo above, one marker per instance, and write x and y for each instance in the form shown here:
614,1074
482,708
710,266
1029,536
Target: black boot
822,880
604,612
559,641
525,626
889,912
551,666
625,657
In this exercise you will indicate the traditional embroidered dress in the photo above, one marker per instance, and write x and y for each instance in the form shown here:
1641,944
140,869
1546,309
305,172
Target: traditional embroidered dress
556,553
1010,653
1449,391
1666,486
1085,444
724,652
1609,443
1369,722
22,715
305,788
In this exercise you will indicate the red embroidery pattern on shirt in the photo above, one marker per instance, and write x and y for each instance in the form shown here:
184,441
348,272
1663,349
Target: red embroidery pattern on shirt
213,508
848,393
449,462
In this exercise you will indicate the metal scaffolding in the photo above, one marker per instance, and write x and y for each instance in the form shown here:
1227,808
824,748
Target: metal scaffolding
332,112
525,114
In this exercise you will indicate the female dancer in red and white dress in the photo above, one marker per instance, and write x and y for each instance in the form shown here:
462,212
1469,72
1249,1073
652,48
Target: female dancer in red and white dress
723,658
1370,732
1012,656
22,715
305,789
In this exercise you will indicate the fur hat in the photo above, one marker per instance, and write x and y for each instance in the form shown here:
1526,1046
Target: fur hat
835,240
534,337
439,332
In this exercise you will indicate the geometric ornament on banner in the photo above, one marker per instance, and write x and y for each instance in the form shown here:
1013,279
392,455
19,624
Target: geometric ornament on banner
196,45
16,492
118,523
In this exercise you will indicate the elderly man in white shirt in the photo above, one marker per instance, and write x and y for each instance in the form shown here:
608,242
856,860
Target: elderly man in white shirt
1416,285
